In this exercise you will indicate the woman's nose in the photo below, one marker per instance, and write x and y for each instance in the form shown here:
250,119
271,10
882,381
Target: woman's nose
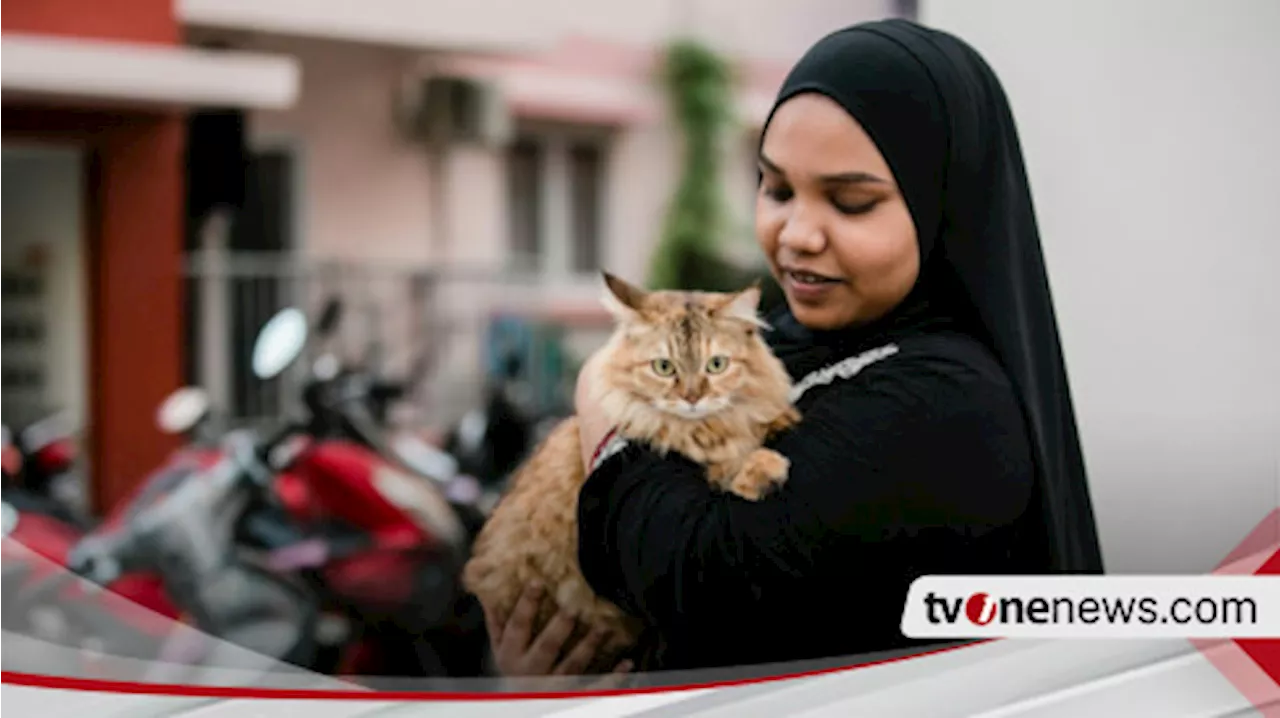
802,236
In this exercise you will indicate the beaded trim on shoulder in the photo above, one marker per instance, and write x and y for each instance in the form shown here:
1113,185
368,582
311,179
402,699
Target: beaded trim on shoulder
846,368
843,369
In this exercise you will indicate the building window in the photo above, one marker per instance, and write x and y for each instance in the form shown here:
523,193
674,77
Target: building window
586,163
555,184
524,179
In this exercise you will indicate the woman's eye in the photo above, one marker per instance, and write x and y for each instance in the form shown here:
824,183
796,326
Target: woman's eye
664,367
717,364
854,208
778,193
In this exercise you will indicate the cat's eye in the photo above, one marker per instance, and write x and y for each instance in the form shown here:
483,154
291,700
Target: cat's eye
664,367
717,364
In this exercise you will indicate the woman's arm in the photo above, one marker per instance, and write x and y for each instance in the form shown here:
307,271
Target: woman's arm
874,461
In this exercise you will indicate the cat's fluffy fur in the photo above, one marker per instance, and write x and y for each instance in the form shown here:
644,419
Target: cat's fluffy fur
683,371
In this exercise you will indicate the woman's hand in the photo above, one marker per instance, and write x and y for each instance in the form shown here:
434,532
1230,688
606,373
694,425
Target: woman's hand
519,653
592,423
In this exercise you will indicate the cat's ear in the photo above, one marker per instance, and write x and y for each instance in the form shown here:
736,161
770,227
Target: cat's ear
744,306
621,299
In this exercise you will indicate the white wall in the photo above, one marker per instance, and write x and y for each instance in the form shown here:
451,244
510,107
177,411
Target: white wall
43,202
1150,133
778,31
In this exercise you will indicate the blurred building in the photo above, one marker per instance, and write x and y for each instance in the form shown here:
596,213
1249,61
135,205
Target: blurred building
437,164
461,161
94,96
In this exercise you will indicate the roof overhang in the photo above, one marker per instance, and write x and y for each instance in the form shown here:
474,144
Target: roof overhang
581,98
410,24
142,76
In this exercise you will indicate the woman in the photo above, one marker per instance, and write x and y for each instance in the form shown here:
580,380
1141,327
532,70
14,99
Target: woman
938,433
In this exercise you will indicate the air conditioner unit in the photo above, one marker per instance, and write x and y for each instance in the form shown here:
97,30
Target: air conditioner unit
443,109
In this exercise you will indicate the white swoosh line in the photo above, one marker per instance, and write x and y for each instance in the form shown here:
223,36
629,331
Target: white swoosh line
620,706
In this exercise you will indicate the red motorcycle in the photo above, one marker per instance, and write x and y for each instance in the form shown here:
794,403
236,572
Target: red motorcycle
314,530
40,469
40,531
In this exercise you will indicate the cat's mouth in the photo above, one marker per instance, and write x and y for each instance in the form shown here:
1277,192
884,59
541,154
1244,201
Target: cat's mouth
692,410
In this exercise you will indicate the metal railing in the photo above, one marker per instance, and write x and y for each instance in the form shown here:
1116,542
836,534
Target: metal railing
399,318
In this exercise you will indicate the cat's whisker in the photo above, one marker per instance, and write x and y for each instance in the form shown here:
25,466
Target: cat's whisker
693,411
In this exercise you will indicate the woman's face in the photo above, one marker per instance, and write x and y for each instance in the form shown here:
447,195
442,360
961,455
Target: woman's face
830,218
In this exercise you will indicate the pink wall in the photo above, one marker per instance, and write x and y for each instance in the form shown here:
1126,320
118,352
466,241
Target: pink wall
364,190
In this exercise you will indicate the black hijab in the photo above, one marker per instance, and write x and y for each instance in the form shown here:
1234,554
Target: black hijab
940,117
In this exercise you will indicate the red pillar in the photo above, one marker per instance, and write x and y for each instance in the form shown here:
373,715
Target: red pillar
136,346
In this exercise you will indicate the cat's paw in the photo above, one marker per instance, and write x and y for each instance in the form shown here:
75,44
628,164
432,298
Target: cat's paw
763,470
783,421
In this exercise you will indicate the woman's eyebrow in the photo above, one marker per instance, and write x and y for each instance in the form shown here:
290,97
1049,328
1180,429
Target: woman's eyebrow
837,178
850,178
768,164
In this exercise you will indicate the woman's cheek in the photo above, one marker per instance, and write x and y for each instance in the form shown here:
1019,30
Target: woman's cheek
768,226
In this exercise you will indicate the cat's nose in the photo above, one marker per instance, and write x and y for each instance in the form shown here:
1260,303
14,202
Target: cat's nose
691,396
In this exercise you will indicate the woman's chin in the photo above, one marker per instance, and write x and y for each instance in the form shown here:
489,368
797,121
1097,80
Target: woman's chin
819,319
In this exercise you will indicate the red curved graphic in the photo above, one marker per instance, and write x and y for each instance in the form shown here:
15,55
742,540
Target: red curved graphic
188,691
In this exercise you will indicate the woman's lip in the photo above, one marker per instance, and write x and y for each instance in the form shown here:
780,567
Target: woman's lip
806,292
791,273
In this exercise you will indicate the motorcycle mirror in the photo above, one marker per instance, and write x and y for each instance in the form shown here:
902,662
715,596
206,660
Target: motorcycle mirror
47,430
329,317
182,410
326,367
279,343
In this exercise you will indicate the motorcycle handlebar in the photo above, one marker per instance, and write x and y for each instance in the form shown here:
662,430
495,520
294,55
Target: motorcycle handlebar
97,557
105,554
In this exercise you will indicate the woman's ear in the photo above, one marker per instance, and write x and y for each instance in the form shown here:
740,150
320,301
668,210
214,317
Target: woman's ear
621,299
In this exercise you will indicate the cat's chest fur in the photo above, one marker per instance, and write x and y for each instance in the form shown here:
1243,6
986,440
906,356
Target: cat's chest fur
721,446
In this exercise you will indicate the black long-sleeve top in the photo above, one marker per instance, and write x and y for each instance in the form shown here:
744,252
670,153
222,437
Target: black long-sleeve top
914,460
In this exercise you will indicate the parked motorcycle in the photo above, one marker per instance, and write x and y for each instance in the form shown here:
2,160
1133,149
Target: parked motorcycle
42,600
350,561
491,441
40,473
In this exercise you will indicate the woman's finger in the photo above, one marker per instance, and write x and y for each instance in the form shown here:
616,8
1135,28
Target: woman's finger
583,654
493,623
518,628
614,679
542,655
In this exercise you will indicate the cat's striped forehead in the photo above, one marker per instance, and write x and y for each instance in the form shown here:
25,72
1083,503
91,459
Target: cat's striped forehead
681,323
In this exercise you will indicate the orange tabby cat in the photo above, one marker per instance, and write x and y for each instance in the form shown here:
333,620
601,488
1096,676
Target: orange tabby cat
683,371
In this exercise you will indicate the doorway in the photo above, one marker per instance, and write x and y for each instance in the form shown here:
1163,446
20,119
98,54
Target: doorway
44,285
255,284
